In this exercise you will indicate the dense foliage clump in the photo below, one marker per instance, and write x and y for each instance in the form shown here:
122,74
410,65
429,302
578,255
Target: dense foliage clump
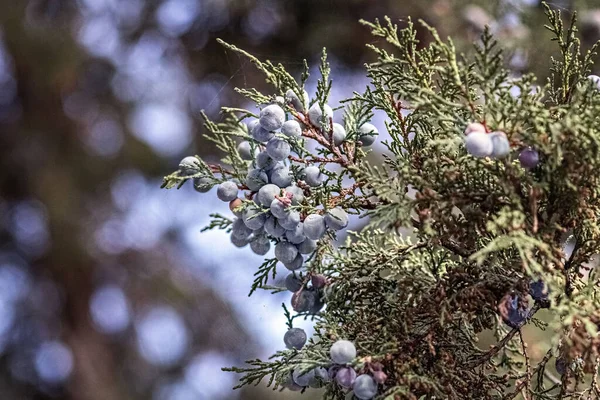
484,211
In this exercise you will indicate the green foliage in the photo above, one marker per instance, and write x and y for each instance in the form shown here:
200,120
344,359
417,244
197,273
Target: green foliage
450,237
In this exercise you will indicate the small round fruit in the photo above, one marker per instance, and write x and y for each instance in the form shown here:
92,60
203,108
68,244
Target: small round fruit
336,219
295,264
256,179
260,245
345,377
342,352
245,151
479,144
266,194
314,226
367,133
529,158
239,241
273,228
261,134
315,115
254,218
279,209
291,128
203,185
293,283
295,338
339,134
303,301
303,378
297,194
227,191
291,385
379,377
291,220
292,98
285,252
318,281
313,176
278,149
365,388
189,166
500,144
264,161
234,204
272,117
320,377
474,127
281,176
239,230
307,247
595,79
296,235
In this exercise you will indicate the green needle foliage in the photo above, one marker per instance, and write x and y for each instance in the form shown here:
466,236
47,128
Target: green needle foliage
453,242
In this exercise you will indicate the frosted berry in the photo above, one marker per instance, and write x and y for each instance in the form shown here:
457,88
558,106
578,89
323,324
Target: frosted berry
295,264
561,364
272,117
278,149
266,194
291,385
291,220
285,252
342,352
296,235
313,176
336,219
291,128
302,378
299,104
295,338
239,229
367,134
203,185
245,151
256,179
273,228
279,209
239,241
264,161
339,134
345,377
474,127
365,388
320,377
189,166
227,191
595,79
281,176
261,134
307,247
500,144
303,301
315,115
513,310
293,283
296,193
317,303
260,245
529,158
379,377
318,281
254,218
235,204
479,144
539,291
314,226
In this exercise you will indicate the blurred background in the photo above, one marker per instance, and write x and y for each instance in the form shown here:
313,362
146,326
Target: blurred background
108,290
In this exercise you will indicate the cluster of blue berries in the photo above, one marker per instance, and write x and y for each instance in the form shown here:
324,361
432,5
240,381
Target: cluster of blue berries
342,353
306,298
479,143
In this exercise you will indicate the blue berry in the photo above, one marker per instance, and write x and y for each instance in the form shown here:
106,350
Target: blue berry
319,378
561,364
513,311
189,166
291,385
256,179
281,176
529,158
264,161
317,303
295,338
296,235
291,220
479,144
342,352
297,195
293,283
500,144
474,127
227,191
239,241
245,151
295,264
313,176
260,245
303,378
367,134
314,226
273,228
336,219
278,149
307,247
292,98
339,134
303,301
292,128
285,252
364,387
279,209
254,218
315,115
239,230
260,134
539,291
203,185
318,281
272,117
266,194
595,79
345,377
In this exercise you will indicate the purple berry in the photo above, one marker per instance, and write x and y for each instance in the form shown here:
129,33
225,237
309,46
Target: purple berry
529,158
318,281
295,338
364,387
345,377
293,283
